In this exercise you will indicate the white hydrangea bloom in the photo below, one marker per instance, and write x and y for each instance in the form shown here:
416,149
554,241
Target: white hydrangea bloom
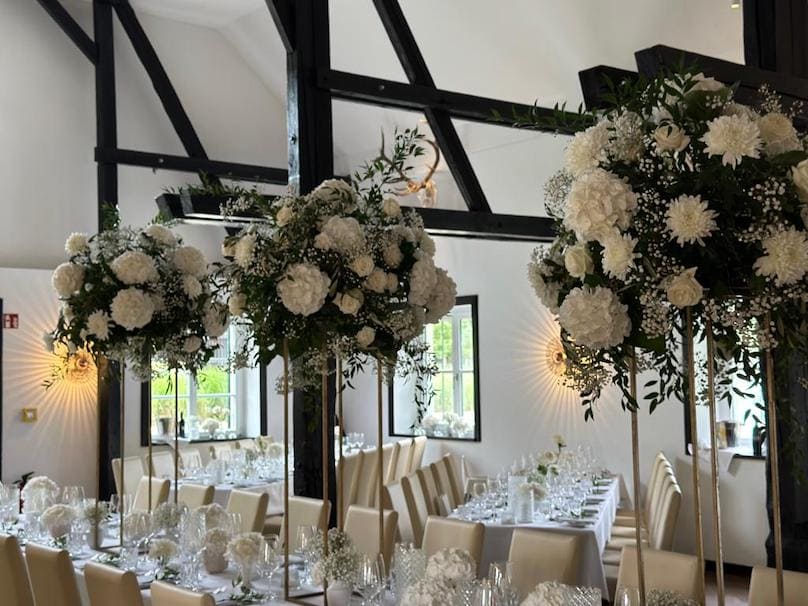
345,234
76,243
451,565
443,297
132,308
190,260
304,289
191,286
588,149
778,134
733,138
422,280
160,233
786,258
244,249
689,220
67,279
597,203
595,317
134,267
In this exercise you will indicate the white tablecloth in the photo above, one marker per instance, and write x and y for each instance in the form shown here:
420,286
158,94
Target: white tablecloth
497,539
273,489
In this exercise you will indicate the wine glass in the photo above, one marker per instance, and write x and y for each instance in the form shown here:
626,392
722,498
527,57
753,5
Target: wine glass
484,595
304,541
627,596
369,579
192,541
270,561
73,496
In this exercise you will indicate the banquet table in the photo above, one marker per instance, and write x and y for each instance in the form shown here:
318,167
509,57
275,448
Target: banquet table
595,535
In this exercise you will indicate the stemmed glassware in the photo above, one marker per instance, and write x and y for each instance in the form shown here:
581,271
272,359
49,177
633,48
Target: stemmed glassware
271,561
136,526
192,542
370,579
304,539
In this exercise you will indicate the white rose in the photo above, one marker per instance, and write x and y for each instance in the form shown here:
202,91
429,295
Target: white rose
778,134
192,344
392,256
237,303
191,286
132,308
98,325
376,281
304,288
215,320
422,280
76,243
345,233
285,215
799,175
391,207
578,261
161,234
365,336
703,83
67,279
684,290
362,266
333,188
190,260
244,249
350,302
595,317
670,137
391,282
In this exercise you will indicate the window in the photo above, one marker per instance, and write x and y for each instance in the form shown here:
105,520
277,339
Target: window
452,396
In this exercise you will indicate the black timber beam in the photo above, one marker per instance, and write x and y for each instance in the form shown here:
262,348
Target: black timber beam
437,221
69,26
281,11
595,83
160,80
228,170
440,121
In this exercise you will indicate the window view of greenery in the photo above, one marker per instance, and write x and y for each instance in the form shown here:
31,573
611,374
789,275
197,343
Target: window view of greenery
208,403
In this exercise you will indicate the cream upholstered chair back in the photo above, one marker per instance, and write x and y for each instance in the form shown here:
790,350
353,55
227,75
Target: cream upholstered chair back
394,497
109,586
443,485
246,444
763,587
664,522
416,506
389,458
162,464
451,473
53,578
367,479
159,488
656,490
349,470
16,588
195,495
190,458
133,470
448,532
403,459
362,525
538,556
664,570
252,506
417,457
224,452
434,504
165,594
304,511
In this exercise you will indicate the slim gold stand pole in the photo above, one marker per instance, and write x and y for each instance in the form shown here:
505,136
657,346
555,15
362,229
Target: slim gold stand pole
717,537
635,459
324,446
151,450
341,463
286,468
775,469
379,453
694,446
176,436
122,396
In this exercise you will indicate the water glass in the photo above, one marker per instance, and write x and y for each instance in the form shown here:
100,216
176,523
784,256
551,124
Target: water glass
369,579
484,594
627,596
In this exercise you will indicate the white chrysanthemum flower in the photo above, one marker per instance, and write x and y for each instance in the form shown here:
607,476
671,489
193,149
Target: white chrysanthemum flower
391,207
191,286
215,320
392,255
362,265
345,234
733,138
597,203
244,249
786,258
162,550
134,267
304,288
684,290
578,261
619,255
161,234
422,280
350,302
376,281
778,134
365,336
545,290
588,149
595,317
799,175
190,260
191,344
132,308
237,303
428,592
689,220
443,297
285,215
76,243
98,325
67,279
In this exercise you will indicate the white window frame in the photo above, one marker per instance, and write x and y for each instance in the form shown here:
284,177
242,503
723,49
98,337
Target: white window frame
457,315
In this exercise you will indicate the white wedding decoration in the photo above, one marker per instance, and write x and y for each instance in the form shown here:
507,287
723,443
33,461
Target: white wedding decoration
676,199
245,549
39,493
162,551
167,516
213,557
453,566
216,516
428,592
137,295
553,593
659,597
57,519
341,563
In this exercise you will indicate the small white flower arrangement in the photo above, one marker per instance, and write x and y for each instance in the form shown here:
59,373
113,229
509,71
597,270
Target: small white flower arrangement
95,511
210,426
39,493
57,519
166,516
553,593
216,516
275,450
245,549
453,566
341,563
162,551
216,541
428,592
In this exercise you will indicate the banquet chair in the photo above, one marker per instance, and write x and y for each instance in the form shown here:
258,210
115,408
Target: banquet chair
160,489
441,533
349,470
162,464
445,491
53,578
469,480
416,506
403,459
190,458
133,470
390,460
418,448
252,506
246,444
14,581
362,525
538,556
625,517
624,523
763,587
435,506
224,452
450,473
395,500
367,481
304,511
664,570
195,495
166,594
109,586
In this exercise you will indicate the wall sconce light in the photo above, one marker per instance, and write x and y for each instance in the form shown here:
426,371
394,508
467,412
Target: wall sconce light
556,359
75,368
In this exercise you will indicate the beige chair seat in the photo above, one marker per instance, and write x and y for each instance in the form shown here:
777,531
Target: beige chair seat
272,525
628,532
611,557
763,587
617,543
